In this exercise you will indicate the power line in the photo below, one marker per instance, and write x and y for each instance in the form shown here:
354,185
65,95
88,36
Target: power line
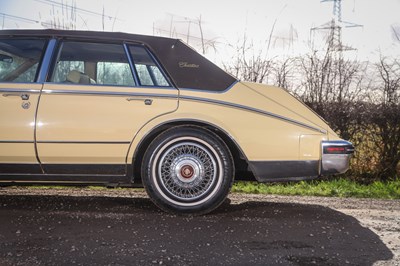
17,18
78,10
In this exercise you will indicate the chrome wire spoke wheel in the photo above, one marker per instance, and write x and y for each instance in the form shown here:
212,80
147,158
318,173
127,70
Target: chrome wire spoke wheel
187,169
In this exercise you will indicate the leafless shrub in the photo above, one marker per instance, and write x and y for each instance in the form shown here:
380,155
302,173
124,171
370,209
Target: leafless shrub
332,85
385,117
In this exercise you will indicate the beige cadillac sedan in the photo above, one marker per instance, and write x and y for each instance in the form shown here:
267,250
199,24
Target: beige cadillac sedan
120,109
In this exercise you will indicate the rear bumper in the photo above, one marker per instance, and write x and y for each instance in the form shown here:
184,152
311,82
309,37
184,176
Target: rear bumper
335,160
336,156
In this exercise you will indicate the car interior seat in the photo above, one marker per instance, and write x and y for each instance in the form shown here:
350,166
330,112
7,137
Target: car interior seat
75,76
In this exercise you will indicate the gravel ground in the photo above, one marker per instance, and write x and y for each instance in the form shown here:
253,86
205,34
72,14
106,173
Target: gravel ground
87,226
380,216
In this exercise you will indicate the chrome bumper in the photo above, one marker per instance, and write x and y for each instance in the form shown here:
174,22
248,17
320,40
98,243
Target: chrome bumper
336,156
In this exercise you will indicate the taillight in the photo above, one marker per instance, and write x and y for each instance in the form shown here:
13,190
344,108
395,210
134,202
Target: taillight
338,149
335,149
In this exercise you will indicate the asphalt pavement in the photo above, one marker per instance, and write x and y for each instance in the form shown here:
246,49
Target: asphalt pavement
101,230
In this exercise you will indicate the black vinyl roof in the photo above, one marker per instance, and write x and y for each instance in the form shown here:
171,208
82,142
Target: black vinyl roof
186,67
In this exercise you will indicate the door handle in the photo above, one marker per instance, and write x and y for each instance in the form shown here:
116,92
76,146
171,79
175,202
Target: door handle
24,96
146,101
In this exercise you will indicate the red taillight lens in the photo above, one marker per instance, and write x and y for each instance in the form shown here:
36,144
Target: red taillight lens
335,149
338,150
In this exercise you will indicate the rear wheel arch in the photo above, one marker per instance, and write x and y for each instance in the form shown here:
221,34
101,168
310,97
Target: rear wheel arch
239,158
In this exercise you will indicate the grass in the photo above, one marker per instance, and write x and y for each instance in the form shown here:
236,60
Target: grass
333,188
341,187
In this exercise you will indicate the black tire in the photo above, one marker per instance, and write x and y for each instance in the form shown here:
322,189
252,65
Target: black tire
187,170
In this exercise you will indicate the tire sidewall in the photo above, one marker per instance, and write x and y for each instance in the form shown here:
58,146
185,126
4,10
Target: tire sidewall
218,191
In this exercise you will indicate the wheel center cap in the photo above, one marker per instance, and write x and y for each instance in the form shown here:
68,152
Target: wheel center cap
187,171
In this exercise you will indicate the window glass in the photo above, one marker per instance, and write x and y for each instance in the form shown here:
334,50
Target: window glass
93,63
64,67
19,59
159,77
114,73
147,70
144,75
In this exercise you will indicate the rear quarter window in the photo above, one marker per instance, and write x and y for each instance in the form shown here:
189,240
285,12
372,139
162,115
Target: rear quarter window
148,72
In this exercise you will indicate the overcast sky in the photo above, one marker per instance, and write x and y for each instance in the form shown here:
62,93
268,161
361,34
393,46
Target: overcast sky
223,22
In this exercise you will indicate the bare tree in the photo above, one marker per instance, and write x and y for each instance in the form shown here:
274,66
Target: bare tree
283,73
249,65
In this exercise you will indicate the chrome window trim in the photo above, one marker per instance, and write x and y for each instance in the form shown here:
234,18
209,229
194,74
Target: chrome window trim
109,93
20,90
81,142
131,65
19,83
46,61
17,141
109,85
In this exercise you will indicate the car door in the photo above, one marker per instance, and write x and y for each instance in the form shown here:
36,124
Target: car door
19,94
98,96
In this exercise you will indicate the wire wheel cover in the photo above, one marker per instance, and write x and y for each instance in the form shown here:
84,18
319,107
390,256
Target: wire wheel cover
187,170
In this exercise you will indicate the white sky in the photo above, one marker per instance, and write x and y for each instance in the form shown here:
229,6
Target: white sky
225,21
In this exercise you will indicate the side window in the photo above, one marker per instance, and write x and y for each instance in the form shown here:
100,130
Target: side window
92,63
147,70
114,73
64,68
19,59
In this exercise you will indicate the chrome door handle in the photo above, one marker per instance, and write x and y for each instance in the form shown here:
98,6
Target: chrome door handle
146,101
23,96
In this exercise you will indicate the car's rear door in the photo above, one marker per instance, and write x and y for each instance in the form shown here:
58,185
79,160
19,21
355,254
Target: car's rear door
97,97
19,94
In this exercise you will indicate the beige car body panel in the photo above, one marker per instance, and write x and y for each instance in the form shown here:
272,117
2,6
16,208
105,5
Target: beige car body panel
95,124
278,134
99,125
17,122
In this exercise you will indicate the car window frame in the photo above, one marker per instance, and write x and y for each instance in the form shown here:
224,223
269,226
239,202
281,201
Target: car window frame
58,50
46,44
171,83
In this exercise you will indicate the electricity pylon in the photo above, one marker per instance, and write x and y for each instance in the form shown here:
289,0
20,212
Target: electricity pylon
335,26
